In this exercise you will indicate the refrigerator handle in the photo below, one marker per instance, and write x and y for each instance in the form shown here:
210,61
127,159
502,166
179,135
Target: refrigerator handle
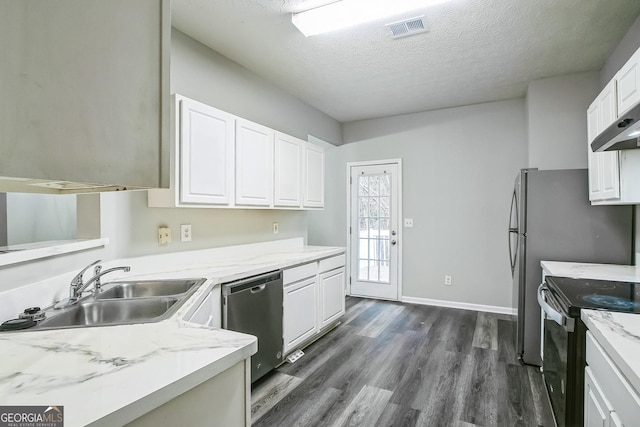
552,313
512,254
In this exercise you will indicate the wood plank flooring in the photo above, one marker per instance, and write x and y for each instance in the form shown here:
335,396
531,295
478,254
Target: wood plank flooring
392,364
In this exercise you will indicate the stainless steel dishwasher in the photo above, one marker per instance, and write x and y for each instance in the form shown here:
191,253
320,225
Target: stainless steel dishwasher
254,306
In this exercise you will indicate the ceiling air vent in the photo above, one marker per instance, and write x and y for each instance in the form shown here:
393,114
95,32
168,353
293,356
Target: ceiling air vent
407,27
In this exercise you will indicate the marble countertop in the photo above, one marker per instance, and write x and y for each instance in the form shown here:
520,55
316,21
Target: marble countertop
112,375
619,335
620,273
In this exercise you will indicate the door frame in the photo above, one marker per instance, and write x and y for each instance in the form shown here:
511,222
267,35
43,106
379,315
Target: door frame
397,162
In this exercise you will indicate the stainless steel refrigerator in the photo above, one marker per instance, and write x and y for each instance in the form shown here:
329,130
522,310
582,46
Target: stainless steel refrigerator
552,219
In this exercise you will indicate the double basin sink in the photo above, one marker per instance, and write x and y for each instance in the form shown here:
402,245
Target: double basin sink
122,303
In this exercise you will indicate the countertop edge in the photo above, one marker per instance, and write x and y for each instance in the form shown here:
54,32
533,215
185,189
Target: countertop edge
596,321
159,397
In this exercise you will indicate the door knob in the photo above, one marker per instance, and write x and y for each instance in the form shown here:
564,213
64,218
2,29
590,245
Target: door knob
393,233
393,242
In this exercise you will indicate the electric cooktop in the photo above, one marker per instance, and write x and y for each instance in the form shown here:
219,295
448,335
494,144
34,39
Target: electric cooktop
575,294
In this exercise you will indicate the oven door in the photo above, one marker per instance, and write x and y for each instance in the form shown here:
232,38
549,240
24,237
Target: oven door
559,364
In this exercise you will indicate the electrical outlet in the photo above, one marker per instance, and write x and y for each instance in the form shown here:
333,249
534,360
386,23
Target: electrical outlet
447,280
185,232
164,236
408,222
275,228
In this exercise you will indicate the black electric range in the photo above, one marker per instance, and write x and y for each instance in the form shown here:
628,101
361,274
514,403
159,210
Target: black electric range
564,335
576,294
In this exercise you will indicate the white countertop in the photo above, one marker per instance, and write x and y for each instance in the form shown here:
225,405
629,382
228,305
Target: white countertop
620,273
619,335
112,375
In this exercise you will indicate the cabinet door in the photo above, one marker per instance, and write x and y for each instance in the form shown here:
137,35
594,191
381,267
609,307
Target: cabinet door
288,171
254,164
594,159
204,313
314,176
299,313
596,411
615,421
610,174
629,84
206,154
607,107
331,289
604,168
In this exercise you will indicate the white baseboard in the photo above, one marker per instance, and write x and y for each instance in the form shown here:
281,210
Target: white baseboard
460,305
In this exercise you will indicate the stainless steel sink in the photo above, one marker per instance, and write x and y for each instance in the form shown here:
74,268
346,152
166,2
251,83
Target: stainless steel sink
146,288
112,312
123,303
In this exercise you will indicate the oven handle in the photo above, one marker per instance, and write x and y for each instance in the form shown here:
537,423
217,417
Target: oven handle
568,323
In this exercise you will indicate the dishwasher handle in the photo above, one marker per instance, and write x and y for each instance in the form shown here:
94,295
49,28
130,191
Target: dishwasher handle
254,284
257,289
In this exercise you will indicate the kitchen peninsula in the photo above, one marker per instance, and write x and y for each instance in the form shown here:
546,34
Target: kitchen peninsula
115,375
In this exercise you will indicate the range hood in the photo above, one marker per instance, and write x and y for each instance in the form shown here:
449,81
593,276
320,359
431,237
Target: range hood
623,134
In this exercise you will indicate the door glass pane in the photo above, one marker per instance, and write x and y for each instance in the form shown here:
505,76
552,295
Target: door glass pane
363,270
374,203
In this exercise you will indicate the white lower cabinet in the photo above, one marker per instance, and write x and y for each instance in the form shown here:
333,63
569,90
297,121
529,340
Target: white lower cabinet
331,288
596,408
609,399
299,312
208,312
313,300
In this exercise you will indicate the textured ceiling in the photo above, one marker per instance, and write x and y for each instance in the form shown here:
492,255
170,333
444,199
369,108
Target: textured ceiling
475,50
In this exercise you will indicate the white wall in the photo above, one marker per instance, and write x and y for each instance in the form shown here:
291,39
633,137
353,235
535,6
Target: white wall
40,217
459,166
557,120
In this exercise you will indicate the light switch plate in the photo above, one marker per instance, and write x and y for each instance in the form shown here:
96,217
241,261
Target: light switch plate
164,236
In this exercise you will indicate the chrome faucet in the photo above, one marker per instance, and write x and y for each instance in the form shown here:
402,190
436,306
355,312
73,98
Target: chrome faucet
76,282
78,286
98,286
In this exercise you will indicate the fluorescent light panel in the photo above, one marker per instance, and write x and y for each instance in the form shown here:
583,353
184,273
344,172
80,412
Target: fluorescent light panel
348,13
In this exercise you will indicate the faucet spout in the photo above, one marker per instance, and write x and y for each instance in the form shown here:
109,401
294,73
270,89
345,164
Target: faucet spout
96,279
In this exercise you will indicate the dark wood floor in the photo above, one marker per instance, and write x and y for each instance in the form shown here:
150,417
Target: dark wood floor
392,364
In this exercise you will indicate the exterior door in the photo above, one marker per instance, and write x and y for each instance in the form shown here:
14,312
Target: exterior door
374,230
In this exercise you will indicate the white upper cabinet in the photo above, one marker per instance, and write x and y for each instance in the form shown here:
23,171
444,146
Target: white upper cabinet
313,168
85,93
254,164
604,179
206,154
219,160
629,84
613,175
288,171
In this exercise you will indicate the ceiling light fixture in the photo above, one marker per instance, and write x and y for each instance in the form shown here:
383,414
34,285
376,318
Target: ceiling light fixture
348,13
